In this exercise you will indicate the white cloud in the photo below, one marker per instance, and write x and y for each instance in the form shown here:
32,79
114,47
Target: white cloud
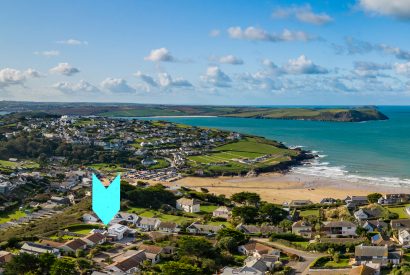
160,55
146,78
257,34
396,8
370,69
303,14
50,53
79,87
9,76
214,33
216,77
303,65
32,73
164,80
117,85
72,42
64,69
402,68
230,59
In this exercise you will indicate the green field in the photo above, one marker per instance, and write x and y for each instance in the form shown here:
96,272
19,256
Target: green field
208,208
309,212
229,158
399,210
105,167
18,164
14,215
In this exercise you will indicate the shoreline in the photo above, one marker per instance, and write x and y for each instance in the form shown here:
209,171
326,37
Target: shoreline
280,188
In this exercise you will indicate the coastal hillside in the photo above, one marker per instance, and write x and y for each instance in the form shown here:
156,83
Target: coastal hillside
345,114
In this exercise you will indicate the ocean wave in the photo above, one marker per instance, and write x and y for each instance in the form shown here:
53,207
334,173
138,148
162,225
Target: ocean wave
317,168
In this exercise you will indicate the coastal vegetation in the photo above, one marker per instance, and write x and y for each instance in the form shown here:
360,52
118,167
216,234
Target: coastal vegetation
342,114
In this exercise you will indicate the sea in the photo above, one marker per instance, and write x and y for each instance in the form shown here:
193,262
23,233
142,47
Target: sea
373,151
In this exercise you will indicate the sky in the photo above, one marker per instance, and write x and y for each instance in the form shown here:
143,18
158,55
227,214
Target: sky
218,52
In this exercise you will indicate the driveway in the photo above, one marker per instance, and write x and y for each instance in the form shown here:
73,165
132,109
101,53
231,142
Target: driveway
299,267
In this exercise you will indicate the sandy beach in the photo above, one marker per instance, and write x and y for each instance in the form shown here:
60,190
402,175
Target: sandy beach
279,188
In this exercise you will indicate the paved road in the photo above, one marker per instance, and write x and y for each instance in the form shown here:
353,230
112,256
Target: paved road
300,267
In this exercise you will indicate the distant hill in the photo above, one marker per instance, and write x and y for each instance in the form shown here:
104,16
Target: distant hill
344,114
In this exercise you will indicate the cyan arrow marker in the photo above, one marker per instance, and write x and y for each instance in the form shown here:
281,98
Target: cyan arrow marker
106,200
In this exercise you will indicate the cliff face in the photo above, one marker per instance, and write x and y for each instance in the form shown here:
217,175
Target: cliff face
355,115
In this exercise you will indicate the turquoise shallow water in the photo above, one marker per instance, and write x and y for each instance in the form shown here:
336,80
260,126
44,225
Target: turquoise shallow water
374,151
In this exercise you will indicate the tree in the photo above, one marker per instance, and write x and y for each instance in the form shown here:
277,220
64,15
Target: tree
272,213
247,198
64,265
21,263
195,246
237,235
177,268
228,243
374,197
46,261
248,214
286,225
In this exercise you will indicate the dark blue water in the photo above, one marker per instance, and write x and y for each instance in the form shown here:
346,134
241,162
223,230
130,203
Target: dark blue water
375,150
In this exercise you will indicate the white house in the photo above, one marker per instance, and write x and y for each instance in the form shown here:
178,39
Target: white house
222,212
404,237
148,224
90,218
37,249
336,229
73,245
118,231
188,205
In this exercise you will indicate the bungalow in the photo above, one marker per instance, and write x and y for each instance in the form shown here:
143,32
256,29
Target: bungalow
188,205
148,224
300,203
126,218
365,270
393,199
328,201
375,226
90,218
128,264
152,252
222,212
197,228
367,214
5,256
404,237
400,224
73,245
375,254
263,230
60,200
302,228
336,229
37,249
256,249
355,201
94,238
245,270
169,227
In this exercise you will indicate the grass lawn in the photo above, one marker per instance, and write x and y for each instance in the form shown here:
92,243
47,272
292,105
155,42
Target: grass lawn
301,244
406,257
327,262
82,228
161,163
149,213
309,212
14,215
105,167
18,164
208,208
400,210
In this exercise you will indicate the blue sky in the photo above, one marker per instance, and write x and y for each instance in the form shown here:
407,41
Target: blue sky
206,52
